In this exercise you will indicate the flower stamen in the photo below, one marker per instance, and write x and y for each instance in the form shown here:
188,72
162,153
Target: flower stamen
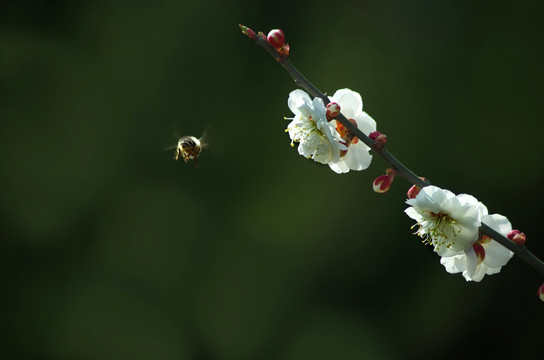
438,229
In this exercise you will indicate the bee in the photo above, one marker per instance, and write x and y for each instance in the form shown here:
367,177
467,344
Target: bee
189,147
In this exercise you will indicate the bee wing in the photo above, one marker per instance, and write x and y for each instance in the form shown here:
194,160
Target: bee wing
204,139
210,141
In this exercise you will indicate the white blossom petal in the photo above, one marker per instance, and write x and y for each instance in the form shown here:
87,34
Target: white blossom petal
454,264
350,102
471,262
365,123
494,254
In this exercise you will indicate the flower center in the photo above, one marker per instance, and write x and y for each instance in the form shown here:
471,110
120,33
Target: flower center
348,137
439,230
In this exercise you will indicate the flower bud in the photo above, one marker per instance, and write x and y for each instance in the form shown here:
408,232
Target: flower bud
414,190
248,32
374,135
284,51
517,236
382,183
540,292
379,139
480,252
333,110
276,38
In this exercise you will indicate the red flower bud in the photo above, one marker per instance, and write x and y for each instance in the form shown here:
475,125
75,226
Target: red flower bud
374,135
540,292
382,183
276,39
333,110
379,139
414,190
517,236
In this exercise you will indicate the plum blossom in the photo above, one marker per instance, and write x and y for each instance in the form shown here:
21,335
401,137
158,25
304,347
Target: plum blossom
357,156
486,256
447,221
317,138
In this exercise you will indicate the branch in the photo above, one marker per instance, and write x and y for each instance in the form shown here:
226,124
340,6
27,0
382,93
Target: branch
402,170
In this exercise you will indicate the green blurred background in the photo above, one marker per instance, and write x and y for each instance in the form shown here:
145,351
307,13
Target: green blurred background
109,249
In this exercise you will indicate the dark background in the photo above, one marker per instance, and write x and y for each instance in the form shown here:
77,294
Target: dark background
109,249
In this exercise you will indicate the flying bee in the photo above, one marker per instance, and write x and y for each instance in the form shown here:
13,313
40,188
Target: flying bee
189,147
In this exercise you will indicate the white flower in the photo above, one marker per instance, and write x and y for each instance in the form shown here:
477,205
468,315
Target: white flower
357,156
447,221
317,138
486,256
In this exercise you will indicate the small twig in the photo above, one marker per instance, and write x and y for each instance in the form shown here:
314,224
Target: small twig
401,169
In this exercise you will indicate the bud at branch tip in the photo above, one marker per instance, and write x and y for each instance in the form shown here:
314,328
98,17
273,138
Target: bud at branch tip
276,39
248,32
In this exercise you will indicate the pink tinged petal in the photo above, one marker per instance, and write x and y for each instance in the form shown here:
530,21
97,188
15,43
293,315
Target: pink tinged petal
454,264
496,254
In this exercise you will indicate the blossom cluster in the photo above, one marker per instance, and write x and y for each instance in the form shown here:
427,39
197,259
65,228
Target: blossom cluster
326,140
450,224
